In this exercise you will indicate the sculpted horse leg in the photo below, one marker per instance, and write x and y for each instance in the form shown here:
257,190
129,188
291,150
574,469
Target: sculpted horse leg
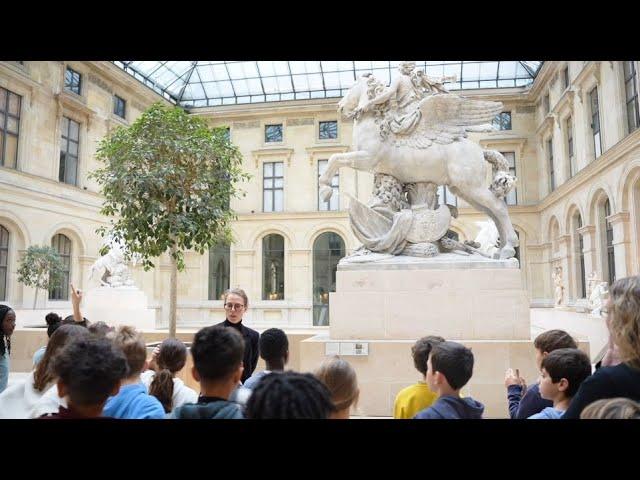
483,199
360,160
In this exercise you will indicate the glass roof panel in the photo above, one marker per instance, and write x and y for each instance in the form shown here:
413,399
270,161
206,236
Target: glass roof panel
210,83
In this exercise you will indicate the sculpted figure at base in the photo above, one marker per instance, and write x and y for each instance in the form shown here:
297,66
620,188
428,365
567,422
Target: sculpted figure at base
415,132
558,287
112,268
598,298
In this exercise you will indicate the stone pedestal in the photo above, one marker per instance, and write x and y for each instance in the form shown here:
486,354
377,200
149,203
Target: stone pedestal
118,306
478,302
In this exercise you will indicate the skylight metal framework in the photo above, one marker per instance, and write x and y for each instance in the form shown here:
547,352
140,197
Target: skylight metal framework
212,83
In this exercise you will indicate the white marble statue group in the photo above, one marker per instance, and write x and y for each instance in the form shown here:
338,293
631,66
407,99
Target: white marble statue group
111,269
597,293
412,136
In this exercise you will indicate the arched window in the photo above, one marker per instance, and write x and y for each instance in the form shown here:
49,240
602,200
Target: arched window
219,269
4,261
328,249
578,244
273,267
609,257
62,245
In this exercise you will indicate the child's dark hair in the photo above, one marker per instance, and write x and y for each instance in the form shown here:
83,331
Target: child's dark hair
129,340
4,310
554,339
421,350
217,352
53,322
570,363
70,320
289,395
171,359
454,361
90,368
100,329
63,335
274,345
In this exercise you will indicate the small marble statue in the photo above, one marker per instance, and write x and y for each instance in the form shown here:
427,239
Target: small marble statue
559,287
488,237
113,266
597,298
592,281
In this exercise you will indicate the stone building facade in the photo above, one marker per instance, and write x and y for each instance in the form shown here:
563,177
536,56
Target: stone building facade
572,138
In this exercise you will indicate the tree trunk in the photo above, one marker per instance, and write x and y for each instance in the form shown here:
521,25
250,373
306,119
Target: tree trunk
35,299
173,293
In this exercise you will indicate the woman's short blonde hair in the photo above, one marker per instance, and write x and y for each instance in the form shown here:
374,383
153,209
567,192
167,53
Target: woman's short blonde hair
624,316
612,408
239,292
340,378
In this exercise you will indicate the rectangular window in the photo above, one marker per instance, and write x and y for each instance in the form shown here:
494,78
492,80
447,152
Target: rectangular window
547,107
72,80
502,121
552,177
512,196
334,202
273,133
631,95
328,130
570,153
10,104
565,78
273,187
69,147
595,122
119,106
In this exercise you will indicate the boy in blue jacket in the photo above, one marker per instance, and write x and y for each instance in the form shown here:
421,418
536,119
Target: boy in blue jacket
449,368
133,401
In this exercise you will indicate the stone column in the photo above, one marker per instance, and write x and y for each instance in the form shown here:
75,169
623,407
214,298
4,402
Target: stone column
588,233
621,242
538,260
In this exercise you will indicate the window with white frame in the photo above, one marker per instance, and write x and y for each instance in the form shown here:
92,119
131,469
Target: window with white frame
552,176
328,130
446,197
273,133
62,244
502,121
119,106
9,127
273,187
565,77
631,95
69,148
546,104
595,122
570,152
72,81
512,196
334,202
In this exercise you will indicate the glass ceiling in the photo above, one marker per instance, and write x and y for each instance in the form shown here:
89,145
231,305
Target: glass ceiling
206,84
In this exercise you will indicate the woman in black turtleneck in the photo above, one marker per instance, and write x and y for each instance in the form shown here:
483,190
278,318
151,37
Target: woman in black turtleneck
236,304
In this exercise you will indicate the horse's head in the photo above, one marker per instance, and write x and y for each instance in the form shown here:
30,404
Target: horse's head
354,98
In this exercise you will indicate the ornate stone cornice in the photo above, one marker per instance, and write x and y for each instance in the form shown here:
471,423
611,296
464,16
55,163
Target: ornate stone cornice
547,124
586,230
618,218
267,152
491,142
323,150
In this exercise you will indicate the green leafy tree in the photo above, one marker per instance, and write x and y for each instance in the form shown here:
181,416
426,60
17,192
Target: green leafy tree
40,267
168,179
